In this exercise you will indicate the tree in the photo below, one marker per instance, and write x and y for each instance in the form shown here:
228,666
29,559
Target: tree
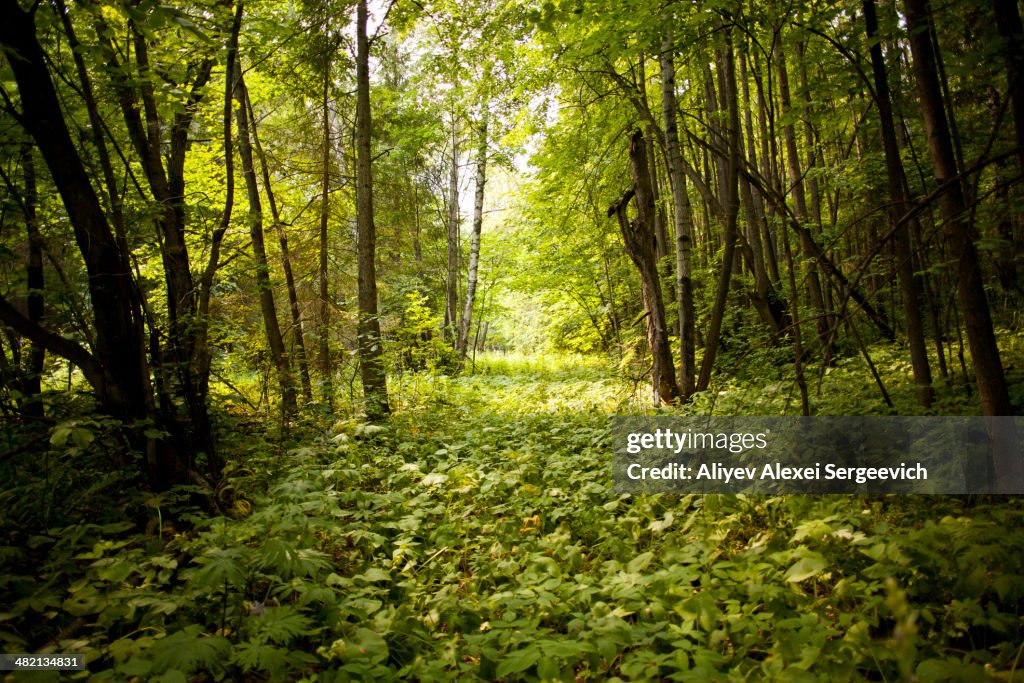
681,217
117,370
465,321
639,239
728,189
910,285
371,353
960,233
268,308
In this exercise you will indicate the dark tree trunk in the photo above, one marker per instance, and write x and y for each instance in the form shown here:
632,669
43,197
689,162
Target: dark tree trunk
730,207
371,361
203,353
910,285
161,145
286,261
639,239
957,226
32,384
796,180
278,354
324,309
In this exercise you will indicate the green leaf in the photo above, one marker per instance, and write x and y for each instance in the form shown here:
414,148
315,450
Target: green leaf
805,568
518,661
640,562
220,566
373,574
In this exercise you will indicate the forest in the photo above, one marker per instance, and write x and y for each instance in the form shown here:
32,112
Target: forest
315,317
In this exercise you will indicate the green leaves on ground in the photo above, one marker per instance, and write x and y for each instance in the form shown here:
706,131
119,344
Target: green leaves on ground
462,543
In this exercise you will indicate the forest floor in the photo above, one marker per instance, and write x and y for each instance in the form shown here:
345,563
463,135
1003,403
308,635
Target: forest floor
476,536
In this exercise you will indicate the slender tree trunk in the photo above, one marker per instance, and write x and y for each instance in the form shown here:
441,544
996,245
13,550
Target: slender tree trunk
32,384
682,219
638,237
814,191
324,312
755,215
794,311
161,144
286,261
417,248
371,360
278,354
451,291
959,231
203,355
910,285
1006,258
474,246
730,206
814,289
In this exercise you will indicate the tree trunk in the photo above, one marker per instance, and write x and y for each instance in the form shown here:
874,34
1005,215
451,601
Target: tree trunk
682,219
451,290
814,290
31,384
639,240
767,168
730,207
286,261
278,354
474,246
371,361
910,285
957,226
203,354
324,312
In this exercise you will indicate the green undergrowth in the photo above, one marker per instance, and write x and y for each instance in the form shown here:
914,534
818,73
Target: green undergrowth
475,536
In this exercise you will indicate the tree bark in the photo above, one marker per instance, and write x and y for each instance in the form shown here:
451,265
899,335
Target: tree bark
203,354
639,239
814,289
910,285
278,354
324,310
32,382
371,361
957,226
286,261
730,207
161,145
451,290
474,246
681,217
